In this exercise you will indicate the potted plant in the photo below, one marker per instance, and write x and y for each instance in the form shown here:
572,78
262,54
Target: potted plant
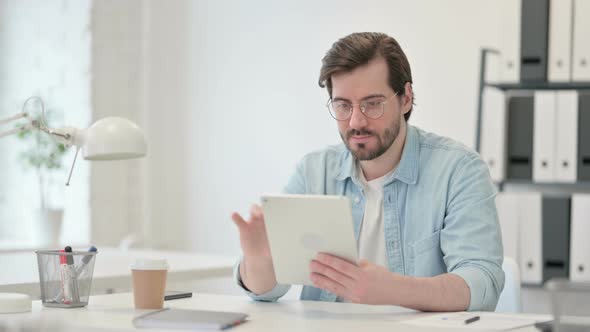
44,156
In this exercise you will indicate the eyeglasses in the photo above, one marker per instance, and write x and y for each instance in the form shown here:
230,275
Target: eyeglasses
372,108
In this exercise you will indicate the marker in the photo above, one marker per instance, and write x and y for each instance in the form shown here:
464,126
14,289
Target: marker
471,320
80,271
66,291
85,260
71,276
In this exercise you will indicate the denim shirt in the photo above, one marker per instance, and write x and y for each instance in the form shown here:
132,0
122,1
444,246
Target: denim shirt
439,213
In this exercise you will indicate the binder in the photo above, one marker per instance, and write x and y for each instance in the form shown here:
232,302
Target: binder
560,41
566,143
581,47
492,70
584,136
530,245
507,205
493,132
544,245
544,136
533,41
556,237
580,245
509,46
520,137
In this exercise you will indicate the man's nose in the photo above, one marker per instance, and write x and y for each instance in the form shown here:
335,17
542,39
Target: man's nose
357,119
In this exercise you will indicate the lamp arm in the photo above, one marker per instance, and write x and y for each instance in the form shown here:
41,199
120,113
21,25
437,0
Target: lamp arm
15,130
68,136
14,117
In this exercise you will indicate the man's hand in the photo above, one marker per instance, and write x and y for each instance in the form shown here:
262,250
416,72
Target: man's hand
253,237
256,269
364,283
369,283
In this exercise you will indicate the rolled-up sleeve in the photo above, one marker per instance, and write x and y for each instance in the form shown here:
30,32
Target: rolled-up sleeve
271,296
471,240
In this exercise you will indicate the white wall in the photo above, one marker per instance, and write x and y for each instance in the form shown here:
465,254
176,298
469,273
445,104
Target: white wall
117,188
231,102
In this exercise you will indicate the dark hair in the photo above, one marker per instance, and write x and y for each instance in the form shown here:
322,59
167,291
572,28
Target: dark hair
359,49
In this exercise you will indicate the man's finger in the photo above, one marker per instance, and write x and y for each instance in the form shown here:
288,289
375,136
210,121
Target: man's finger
238,220
325,270
332,286
339,264
256,211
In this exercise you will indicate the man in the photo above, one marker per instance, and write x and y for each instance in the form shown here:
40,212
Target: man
423,205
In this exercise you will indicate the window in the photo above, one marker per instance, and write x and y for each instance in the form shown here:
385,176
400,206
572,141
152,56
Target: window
45,50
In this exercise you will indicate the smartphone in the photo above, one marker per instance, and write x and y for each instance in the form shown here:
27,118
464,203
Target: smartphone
544,326
173,295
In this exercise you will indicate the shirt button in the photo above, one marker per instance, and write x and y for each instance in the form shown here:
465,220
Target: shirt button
356,199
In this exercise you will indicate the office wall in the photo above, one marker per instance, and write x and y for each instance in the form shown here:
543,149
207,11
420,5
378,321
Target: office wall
229,98
117,192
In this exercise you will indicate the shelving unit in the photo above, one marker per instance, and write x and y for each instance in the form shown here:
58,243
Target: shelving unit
537,216
484,52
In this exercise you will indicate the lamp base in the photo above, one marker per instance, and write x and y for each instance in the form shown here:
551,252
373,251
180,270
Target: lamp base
11,303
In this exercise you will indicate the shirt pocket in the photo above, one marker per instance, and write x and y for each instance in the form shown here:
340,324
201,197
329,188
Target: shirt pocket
426,256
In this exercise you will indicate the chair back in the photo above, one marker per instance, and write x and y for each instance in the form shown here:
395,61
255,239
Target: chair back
510,300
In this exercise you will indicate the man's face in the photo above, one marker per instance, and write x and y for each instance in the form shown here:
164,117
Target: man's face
368,138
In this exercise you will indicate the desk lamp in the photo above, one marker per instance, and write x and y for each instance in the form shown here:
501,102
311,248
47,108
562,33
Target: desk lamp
110,138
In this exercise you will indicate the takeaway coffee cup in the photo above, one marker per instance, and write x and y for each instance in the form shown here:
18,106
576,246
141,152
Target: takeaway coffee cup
149,283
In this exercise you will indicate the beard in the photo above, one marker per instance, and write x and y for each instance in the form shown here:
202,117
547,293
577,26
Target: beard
362,151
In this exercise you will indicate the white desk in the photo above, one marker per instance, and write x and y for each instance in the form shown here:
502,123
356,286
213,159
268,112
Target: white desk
19,271
115,312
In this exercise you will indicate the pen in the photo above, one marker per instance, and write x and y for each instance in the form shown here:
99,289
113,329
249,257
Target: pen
71,276
471,320
80,271
85,261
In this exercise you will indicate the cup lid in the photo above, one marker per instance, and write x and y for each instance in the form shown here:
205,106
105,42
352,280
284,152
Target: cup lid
149,264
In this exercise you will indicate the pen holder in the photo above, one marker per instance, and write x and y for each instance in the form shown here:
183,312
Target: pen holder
65,278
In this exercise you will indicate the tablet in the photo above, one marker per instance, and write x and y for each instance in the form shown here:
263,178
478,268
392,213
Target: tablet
301,226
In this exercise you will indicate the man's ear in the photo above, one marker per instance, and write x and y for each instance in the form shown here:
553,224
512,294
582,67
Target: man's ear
407,98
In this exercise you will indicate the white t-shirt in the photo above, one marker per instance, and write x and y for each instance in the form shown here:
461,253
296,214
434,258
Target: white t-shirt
371,244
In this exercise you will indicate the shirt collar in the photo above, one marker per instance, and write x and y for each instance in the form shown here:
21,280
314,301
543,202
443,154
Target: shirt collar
406,171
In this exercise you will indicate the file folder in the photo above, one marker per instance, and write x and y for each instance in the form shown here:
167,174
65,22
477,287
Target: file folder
493,132
566,143
507,205
560,40
556,237
531,235
492,70
544,136
544,237
509,46
584,136
534,29
580,244
581,47
520,137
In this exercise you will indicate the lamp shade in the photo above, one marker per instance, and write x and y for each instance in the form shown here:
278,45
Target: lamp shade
113,138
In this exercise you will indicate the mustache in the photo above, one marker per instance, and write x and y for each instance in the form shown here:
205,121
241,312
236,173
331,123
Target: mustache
360,132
